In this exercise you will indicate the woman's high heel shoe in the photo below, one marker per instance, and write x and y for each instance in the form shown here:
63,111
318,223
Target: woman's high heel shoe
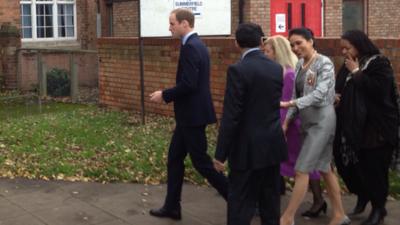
314,214
345,221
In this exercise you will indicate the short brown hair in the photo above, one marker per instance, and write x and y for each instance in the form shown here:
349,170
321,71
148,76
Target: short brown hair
182,14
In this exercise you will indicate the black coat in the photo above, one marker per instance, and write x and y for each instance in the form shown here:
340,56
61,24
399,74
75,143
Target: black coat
191,95
250,135
374,88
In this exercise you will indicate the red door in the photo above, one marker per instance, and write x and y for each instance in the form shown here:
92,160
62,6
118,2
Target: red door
288,14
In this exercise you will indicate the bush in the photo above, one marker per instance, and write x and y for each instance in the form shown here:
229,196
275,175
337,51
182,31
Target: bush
58,83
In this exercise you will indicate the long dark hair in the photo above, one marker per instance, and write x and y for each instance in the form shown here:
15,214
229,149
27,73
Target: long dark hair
305,32
361,42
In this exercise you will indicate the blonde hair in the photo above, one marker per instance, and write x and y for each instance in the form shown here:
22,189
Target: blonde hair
282,50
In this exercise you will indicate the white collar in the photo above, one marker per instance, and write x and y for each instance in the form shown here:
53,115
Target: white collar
248,51
186,37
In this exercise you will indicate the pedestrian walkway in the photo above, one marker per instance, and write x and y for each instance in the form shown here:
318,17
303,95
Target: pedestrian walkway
36,202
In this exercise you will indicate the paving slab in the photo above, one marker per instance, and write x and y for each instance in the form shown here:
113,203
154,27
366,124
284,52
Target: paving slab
38,202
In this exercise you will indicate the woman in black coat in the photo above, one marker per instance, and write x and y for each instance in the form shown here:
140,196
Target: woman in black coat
367,123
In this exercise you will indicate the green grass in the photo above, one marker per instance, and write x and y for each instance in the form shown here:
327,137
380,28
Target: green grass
78,142
83,142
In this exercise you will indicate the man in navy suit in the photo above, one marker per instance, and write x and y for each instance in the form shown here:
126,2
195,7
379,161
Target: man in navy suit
250,136
193,109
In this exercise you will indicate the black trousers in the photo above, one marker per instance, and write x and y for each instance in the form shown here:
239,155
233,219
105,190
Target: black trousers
369,178
192,141
247,189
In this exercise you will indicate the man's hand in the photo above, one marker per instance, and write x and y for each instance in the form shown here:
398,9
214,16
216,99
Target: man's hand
156,97
337,99
286,105
219,166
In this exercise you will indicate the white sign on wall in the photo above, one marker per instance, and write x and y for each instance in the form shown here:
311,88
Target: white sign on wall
280,23
213,17
195,5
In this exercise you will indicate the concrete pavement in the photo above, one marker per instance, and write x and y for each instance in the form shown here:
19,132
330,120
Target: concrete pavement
37,202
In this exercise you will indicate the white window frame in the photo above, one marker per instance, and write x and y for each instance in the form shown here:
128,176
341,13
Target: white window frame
54,3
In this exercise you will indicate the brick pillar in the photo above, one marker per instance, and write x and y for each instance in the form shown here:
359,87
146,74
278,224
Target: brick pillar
332,18
258,11
10,41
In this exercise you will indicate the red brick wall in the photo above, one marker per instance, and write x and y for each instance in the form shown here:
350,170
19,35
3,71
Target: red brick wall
86,11
119,79
258,11
9,12
332,18
9,42
86,36
87,64
125,20
234,15
105,25
383,18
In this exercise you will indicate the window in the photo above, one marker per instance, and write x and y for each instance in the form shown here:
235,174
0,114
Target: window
48,19
353,15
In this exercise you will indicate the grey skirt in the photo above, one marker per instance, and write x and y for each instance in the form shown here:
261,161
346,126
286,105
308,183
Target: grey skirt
318,131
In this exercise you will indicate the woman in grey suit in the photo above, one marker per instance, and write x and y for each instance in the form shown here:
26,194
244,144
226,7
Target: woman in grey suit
313,99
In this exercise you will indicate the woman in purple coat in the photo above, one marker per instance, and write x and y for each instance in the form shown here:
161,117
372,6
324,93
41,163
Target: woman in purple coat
278,49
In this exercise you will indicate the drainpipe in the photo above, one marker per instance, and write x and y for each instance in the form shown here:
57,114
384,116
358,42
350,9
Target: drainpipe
241,11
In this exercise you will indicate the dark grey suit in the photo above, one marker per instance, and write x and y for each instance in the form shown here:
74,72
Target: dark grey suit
193,109
251,138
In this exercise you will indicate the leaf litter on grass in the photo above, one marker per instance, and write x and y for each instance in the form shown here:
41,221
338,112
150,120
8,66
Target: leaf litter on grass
86,143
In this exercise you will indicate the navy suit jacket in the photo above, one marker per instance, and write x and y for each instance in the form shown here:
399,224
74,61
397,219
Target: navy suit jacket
250,135
191,95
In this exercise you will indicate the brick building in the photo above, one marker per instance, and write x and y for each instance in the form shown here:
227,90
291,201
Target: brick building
119,76
29,25
377,18
76,24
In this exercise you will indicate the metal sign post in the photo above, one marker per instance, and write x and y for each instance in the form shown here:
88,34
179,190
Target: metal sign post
143,112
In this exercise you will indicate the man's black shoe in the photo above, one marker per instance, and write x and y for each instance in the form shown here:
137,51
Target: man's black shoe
162,212
360,206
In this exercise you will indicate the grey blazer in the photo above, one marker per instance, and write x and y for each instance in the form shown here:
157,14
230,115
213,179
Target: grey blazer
319,86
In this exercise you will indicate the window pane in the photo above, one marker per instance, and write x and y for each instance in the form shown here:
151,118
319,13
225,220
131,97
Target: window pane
40,32
44,26
66,32
65,20
26,32
25,9
70,32
49,9
353,15
61,31
61,10
40,21
70,21
49,32
39,9
49,21
61,21
69,10
26,21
